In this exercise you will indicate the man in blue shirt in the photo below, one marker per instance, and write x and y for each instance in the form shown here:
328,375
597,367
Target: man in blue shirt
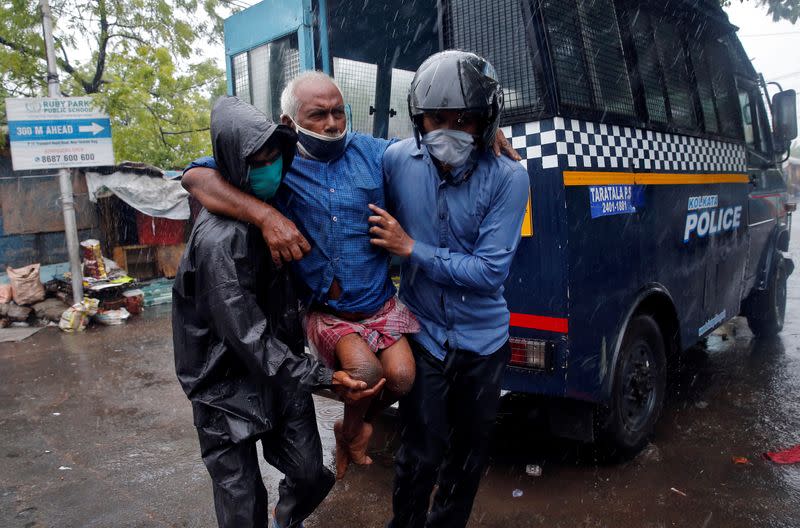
354,321
462,210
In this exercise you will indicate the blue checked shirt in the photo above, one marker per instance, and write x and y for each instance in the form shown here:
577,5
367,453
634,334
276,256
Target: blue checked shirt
328,203
466,233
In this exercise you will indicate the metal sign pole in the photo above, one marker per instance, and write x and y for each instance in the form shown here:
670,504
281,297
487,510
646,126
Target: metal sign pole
64,175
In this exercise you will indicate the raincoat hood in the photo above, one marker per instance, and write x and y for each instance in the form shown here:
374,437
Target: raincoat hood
239,130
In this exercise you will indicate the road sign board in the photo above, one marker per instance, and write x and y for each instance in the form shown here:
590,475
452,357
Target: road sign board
58,133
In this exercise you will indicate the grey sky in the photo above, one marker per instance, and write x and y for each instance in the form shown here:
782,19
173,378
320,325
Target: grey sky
774,47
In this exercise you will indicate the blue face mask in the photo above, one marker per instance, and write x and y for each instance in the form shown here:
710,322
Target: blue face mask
264,181
318,146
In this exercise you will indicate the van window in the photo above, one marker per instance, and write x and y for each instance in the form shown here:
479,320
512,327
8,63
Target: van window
373,47
501,32
762,123
747,118
754,122
241,76
669,42
705,86
587,56
357,81
648,65
399,123
724,87
260,75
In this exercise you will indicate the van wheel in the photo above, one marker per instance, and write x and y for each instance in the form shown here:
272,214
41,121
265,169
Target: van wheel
637,394
769,309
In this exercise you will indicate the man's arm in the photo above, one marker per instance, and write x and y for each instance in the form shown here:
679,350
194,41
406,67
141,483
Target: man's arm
487,267
285,242
237,318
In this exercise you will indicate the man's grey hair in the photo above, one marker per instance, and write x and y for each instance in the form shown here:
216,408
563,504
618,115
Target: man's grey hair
290,105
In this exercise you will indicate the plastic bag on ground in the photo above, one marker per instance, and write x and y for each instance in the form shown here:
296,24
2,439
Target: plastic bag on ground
112,317
5,293
76,317
26,288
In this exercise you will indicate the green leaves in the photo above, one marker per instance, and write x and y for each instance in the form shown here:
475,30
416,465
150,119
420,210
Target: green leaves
135,57
779,9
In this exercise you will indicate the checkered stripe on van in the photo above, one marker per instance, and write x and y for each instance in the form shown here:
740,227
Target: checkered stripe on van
571,143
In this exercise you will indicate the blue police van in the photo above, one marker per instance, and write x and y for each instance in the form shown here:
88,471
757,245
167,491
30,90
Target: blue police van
658,209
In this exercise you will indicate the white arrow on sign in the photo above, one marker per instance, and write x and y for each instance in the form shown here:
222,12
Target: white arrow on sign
94,128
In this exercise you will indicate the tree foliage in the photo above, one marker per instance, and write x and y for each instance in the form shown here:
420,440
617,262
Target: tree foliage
137,58
779,9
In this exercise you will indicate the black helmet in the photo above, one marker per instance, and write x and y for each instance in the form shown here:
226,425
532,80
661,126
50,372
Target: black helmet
456,80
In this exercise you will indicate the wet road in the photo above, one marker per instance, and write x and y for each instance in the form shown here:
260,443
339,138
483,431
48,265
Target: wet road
95,432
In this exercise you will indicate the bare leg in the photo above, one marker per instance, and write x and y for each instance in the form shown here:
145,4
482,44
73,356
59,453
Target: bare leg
352,434
398,366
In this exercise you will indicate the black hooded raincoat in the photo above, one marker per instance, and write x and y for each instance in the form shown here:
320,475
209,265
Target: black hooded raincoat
239,344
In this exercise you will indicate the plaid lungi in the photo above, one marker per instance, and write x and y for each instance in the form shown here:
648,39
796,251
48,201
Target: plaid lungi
380,330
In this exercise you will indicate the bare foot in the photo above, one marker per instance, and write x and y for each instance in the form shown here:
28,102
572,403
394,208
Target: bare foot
358,446
342,452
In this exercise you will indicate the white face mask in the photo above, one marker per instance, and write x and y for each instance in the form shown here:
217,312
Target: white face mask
452,147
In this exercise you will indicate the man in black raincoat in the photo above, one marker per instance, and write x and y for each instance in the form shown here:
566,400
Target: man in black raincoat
239,345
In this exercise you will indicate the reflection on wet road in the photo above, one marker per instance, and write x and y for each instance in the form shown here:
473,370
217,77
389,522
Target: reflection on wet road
95,432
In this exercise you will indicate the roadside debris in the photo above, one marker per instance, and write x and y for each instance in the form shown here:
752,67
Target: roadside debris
76,317
787,456
112,317
5,294
134,301
533,470
26,288
742,461
650,454
517,493
49,309
17,313
679,492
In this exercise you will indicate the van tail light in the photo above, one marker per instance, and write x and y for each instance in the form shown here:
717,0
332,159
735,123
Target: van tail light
531,353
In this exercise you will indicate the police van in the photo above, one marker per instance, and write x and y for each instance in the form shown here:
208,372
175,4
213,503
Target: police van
658,210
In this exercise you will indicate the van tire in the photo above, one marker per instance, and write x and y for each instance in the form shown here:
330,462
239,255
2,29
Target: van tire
639,385
768,309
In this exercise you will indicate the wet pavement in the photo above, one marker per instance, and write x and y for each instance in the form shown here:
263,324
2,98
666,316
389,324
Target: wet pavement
96,432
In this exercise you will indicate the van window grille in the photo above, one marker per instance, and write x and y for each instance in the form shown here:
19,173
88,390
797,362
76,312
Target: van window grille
587,55
260,75
737,57
676,74
705,86
241,77
357,81
400,123
727,98
499,31
648,65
